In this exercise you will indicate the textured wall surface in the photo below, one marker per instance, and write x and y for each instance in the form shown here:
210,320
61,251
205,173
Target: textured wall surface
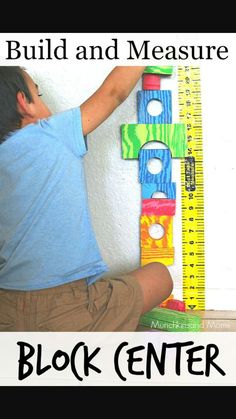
113,188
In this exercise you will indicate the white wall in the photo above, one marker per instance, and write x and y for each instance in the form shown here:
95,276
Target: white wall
114,191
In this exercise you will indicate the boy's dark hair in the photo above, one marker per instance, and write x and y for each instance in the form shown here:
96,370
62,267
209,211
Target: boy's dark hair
12,81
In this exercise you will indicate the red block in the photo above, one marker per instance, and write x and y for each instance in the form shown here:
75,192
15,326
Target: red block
158,206
176,305
151,82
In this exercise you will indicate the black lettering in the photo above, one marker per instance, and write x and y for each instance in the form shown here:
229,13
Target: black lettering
131,359
138,53
209,48
157,50
178,346
13,46
112,48
82,53
39,369
41,50
60,48
160,363
23,360
72,360
191,360
59,354
27,54
194,50
183,49
116,360
209,359
171,54
93,49
222,50
87,359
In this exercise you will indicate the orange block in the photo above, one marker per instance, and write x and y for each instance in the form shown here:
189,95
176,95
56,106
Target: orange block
165,302
162,255
149,242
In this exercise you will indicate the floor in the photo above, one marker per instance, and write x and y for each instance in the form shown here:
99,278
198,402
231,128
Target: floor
212,321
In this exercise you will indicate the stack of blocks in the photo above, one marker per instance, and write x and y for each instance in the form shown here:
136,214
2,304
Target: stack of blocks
158,211
155,211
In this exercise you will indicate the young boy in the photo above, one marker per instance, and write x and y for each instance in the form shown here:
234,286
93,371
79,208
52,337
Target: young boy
51,270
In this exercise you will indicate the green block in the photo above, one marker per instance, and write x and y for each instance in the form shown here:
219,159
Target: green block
134,136
166,70
171,320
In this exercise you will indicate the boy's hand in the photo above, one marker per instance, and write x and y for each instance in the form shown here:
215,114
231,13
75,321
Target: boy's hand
114,90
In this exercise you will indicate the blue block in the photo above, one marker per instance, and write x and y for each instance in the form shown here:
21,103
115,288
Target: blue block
148,189
164,176
145,96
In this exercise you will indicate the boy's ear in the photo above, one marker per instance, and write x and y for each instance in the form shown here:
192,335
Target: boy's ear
23,105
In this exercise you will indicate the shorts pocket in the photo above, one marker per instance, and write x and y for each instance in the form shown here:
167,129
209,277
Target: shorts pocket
64,312
99,295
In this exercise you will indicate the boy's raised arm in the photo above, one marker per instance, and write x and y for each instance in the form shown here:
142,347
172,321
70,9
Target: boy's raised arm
113,91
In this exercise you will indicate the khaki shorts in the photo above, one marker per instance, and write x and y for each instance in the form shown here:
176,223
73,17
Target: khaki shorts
110,304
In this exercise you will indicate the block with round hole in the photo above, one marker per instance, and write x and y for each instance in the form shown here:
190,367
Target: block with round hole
157,206
134,136
163,97
159,190
156,231
161,162
163,255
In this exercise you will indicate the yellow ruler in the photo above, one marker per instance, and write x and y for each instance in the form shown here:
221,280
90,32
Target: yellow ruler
189,94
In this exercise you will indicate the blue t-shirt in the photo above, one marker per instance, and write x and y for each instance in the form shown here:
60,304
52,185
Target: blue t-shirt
46,236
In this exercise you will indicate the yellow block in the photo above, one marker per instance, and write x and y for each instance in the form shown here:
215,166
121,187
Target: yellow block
162,255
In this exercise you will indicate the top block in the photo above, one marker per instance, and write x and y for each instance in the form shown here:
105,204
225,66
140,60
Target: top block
166,70
151,82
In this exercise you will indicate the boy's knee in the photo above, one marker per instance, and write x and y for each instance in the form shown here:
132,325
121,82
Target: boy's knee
159,268
163,274
169,282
